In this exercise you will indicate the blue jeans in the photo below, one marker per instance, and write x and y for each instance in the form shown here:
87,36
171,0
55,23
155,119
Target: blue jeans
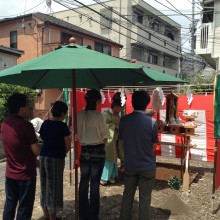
145,181
22,192
92,161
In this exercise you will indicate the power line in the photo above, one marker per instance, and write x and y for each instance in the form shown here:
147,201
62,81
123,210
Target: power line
122,16
178,10
140,43
67,6
195,3
169,8
187,28
114,21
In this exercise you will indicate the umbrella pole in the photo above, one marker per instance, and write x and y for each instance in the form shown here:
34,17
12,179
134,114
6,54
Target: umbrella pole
70,152
70,165
214,174
76,161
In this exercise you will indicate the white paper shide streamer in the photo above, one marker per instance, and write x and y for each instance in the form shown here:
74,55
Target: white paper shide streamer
109,97
103,96
123,97
189,96
158,98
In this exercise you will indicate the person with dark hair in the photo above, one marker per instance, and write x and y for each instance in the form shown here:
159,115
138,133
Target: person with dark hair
93,135
56,143
140,136
21,150
112,118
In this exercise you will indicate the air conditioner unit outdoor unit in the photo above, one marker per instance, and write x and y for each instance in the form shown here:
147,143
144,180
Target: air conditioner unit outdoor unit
4,64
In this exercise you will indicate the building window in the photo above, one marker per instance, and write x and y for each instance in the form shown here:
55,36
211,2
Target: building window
138,17
137,53
103,48
153,58
168,32
13,39
64,39
207,15
167,62
155,25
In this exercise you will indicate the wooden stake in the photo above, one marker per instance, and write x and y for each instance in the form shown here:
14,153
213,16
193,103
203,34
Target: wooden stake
186,173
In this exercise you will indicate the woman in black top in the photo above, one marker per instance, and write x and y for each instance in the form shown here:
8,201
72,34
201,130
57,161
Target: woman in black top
56,143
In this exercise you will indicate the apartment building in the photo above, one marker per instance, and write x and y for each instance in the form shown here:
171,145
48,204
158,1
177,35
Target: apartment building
39,33
208,32
146,34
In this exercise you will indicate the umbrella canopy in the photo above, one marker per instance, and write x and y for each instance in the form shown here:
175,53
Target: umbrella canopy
92,70
217,106
161,77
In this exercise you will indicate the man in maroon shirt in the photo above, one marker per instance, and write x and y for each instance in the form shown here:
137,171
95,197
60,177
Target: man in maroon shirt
21,149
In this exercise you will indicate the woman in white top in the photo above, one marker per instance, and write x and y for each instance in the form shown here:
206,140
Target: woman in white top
93,134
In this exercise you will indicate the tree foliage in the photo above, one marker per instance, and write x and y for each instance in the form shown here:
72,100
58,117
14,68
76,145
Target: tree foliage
200,83
6,90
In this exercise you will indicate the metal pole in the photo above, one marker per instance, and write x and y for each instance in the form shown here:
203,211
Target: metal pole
74,131
120,24
192,38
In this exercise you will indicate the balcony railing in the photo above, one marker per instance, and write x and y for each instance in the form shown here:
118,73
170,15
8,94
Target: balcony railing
204,39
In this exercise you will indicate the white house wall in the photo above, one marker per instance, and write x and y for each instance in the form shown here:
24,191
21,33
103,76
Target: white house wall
7,60
216,51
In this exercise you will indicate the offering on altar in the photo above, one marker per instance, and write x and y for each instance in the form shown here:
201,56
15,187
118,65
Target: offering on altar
150,112
179,121
188,113
171,109
173,123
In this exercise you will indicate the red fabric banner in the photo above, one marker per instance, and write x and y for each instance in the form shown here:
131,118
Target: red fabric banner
203,104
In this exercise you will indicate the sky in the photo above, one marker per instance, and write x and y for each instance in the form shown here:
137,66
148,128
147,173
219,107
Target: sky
13,8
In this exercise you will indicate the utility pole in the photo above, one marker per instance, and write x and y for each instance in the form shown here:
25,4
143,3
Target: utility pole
192,38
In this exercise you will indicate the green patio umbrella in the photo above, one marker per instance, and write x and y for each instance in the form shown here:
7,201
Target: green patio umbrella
74,66
92,70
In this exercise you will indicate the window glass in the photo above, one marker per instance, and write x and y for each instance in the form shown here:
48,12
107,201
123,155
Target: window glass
13,39
153,58
155,25
168,32
103,48
138,17
167,62
137,53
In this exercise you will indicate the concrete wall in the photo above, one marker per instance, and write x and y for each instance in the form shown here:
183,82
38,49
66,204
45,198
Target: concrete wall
216,46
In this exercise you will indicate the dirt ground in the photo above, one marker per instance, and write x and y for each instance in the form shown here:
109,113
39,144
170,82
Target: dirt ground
196,204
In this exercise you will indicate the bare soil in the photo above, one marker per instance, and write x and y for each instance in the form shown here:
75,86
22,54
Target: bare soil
166,203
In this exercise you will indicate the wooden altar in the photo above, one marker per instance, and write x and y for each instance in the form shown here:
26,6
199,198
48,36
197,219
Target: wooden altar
173,125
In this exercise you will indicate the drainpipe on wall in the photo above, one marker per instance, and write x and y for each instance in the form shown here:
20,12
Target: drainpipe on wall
42,39
120,24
